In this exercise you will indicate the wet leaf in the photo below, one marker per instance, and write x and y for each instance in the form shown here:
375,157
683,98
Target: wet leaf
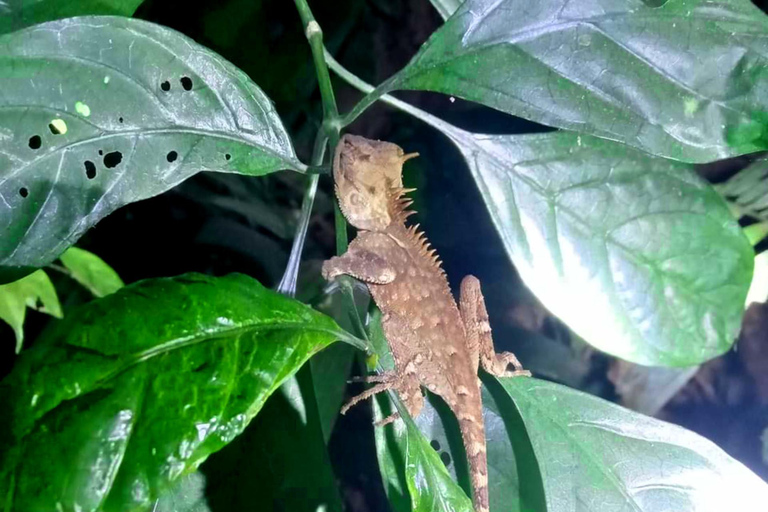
91,271
133,391
98,112
638,72
33,291
597,456
186,495
17,14
446,7
637,254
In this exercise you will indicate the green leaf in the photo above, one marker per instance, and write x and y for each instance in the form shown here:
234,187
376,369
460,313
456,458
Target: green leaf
446,7
280,462
91,271
411,467
17,14
33,291
186,495
747,189
596,456
637,254
87,126
625,70
136,389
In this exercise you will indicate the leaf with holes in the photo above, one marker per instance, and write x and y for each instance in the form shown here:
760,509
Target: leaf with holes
17,14
91,271
596,456
635,71
133,391
99,112
33,291
637,254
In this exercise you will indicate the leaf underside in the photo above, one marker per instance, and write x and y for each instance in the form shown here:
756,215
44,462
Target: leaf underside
685,80
97,112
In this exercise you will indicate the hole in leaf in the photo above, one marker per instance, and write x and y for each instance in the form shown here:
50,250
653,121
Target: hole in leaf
35,142
227,156
186,83
101,152
23,192
113,159
58,127
172,156
119,119
435,444
446,458
166,86
90,169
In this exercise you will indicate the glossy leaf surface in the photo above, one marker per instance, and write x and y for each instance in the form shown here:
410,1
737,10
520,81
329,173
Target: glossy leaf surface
33,291
637,254
597,456
446,7
91,271
684,79
98,112
17,14
136,389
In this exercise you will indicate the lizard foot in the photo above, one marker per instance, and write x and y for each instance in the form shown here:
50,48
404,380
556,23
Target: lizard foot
384,382
499,364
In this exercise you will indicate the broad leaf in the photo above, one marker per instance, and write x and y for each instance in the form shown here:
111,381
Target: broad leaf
91,271
596,456
136,389
33,291
99,112
637,254
629,70
17,14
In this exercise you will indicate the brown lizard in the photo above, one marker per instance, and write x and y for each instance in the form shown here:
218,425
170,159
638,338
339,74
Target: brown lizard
434,342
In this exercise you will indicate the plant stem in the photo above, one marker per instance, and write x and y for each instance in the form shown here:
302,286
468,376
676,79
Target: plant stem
375,93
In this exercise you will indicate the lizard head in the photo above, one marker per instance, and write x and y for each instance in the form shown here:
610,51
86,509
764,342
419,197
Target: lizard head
369,179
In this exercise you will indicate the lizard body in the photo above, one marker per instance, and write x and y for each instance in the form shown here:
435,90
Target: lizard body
435,342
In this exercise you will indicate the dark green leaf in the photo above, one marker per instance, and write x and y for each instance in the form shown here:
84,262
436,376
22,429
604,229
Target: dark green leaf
136,389
595,456
33,291
99,112
685,79
637,254
330,371
17,14
280,462
91,271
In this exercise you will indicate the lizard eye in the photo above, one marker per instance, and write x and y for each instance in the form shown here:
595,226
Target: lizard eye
355,199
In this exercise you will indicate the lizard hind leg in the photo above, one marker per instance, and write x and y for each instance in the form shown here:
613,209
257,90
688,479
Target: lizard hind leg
475,317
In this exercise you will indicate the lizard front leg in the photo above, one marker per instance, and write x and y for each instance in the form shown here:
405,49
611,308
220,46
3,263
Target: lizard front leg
479,337
362,262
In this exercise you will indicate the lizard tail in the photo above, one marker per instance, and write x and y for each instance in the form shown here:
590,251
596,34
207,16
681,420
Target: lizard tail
473,434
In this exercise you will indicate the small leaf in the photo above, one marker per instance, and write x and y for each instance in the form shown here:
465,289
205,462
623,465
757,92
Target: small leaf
596,456
17,14
135,390
635,71
144,109
91,271
637,254
33,291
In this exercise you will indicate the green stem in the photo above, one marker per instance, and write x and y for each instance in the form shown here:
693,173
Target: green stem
376,93
315,37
